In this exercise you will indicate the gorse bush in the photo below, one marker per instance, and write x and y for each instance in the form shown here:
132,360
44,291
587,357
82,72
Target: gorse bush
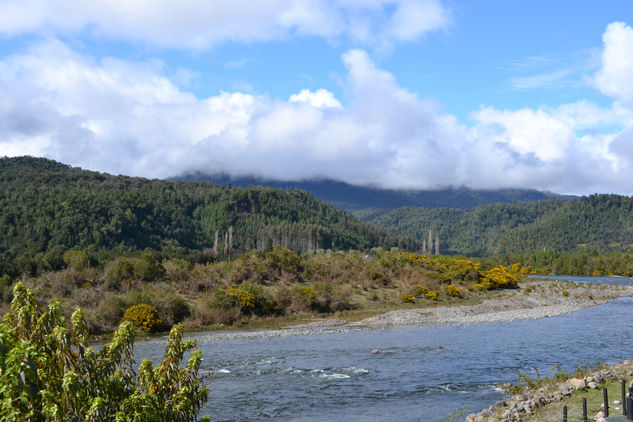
453,291
143,316
48,372
407,298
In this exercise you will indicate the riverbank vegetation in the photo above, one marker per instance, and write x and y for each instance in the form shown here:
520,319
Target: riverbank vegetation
254,286
579,263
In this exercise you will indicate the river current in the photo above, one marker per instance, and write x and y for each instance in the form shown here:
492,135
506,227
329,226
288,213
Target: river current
419,374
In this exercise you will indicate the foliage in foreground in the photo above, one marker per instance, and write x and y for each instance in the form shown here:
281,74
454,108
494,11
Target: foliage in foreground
49,373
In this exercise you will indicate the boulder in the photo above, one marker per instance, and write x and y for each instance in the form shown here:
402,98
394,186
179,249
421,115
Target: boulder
577,383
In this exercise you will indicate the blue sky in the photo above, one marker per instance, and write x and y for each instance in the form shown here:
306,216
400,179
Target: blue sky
402,93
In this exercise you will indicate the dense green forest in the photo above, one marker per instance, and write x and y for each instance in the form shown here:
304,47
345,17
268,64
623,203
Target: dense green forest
364,200
601,223
47,208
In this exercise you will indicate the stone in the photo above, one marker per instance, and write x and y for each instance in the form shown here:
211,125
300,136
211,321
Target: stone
375,352
565,390
593,385
588,380
577,383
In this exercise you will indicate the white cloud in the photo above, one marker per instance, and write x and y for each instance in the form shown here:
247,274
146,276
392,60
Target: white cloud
527,132
614,78
320,98
556,78
128,117
203,24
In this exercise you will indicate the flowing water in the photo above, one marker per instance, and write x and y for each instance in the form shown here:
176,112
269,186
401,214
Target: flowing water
420,374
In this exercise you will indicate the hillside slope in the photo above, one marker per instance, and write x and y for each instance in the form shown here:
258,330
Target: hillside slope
47,208
366,200
598,222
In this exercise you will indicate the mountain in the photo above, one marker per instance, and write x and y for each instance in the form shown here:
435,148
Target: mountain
47,208
367,200
603,223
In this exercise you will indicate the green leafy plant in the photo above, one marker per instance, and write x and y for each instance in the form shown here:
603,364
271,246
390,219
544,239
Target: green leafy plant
50,373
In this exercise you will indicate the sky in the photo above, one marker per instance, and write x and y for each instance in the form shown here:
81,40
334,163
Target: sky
395,93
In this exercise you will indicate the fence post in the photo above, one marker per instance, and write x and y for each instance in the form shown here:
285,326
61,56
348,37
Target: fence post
584,409
605,399
629,405
565,413
623,382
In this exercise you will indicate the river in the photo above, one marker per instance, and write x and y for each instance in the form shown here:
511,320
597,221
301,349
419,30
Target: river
419,374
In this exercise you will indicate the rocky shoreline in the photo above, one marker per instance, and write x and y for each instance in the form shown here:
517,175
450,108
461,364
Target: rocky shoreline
535,299
517,407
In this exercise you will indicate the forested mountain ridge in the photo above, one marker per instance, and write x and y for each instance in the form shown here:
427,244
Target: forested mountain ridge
47,208
365,200
603,223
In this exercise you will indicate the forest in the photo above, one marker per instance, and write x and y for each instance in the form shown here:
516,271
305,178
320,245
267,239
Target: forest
47,208
598,223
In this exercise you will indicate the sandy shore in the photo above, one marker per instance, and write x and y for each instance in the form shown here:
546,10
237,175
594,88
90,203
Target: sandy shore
535,299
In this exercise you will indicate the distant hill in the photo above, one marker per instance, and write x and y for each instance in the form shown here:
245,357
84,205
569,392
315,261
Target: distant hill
47,208
603,223
368,200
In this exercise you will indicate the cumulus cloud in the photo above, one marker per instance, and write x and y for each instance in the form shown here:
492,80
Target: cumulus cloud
320,98
128,117
614,78
203,24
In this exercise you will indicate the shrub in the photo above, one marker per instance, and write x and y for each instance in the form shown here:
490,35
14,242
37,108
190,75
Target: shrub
565,293
407,298
501,278
432,295
307,296
143,316
419,290
244,300
453,291
76,259
48,371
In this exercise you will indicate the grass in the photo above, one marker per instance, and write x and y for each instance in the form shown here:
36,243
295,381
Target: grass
554,411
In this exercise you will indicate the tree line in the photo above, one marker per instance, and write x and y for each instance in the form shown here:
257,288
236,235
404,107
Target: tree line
601,223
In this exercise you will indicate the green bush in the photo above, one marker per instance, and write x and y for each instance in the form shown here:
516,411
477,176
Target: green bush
76,259
48,371
143,316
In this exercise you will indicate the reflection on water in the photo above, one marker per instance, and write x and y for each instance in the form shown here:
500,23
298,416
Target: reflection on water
336,377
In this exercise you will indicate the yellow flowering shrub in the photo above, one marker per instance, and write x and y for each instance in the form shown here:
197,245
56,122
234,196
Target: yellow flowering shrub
432,295
453,291
143,316
500,277
244,300
407,298
419,290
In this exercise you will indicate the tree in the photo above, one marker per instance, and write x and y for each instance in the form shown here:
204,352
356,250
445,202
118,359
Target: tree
50,373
